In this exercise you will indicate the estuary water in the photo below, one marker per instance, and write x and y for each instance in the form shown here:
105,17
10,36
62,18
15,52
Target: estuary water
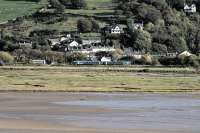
99,113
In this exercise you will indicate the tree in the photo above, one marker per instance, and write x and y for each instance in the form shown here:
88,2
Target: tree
84,25
52,56
95,25
57,5
79,4
142,41
159,48
117,54
76,57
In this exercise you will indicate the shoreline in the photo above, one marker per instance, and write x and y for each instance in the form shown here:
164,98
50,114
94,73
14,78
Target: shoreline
137,69
98,80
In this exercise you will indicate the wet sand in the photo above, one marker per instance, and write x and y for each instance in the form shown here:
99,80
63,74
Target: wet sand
99,113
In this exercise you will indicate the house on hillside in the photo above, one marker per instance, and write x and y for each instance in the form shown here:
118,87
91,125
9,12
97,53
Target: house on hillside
72,46
54,41
138,25
185,53
59,40
25,44
114,29
190,8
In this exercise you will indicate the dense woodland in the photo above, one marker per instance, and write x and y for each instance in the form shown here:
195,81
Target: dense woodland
167,27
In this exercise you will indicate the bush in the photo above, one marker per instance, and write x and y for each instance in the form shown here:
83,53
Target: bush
168,61
146,59
87,25
116,55
6,58
76,57
54,57
188,60
84,25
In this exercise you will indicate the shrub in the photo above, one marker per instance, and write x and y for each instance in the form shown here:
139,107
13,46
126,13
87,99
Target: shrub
168,61
88,25
188,60
84,25
6,58
146,59
76,56
116,55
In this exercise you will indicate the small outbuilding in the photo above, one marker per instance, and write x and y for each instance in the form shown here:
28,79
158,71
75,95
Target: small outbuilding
106,59
185,53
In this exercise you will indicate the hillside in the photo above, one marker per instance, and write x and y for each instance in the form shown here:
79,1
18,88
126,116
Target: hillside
144,27
11,9
169,26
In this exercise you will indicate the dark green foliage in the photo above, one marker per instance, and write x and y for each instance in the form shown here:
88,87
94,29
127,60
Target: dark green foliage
25,55
76,4
76,57
87,25
170,28
57,5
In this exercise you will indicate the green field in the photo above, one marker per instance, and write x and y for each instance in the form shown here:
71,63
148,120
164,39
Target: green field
100,79
95,7
11,9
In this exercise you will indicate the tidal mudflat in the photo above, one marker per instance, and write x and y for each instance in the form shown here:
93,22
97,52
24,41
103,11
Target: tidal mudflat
99,113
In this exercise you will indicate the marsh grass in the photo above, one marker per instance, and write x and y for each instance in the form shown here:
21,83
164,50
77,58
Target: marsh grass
94,81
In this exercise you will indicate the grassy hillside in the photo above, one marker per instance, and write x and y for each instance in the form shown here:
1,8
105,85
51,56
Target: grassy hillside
11,9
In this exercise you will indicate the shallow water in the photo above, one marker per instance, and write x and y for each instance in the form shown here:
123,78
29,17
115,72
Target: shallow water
143,111
116,112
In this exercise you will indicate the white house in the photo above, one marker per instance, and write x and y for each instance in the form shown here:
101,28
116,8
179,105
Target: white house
106,59
185,53
74,44
25,44
116,29
54,41
90,41
190,8
39,62
138,26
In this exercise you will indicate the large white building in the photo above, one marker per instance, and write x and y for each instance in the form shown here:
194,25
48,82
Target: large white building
190,8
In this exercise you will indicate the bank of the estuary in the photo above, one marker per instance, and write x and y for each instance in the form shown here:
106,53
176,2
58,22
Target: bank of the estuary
99,79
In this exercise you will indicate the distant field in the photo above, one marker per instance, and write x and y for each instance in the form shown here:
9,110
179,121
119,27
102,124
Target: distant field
97,3
100,8
11,9
95,7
